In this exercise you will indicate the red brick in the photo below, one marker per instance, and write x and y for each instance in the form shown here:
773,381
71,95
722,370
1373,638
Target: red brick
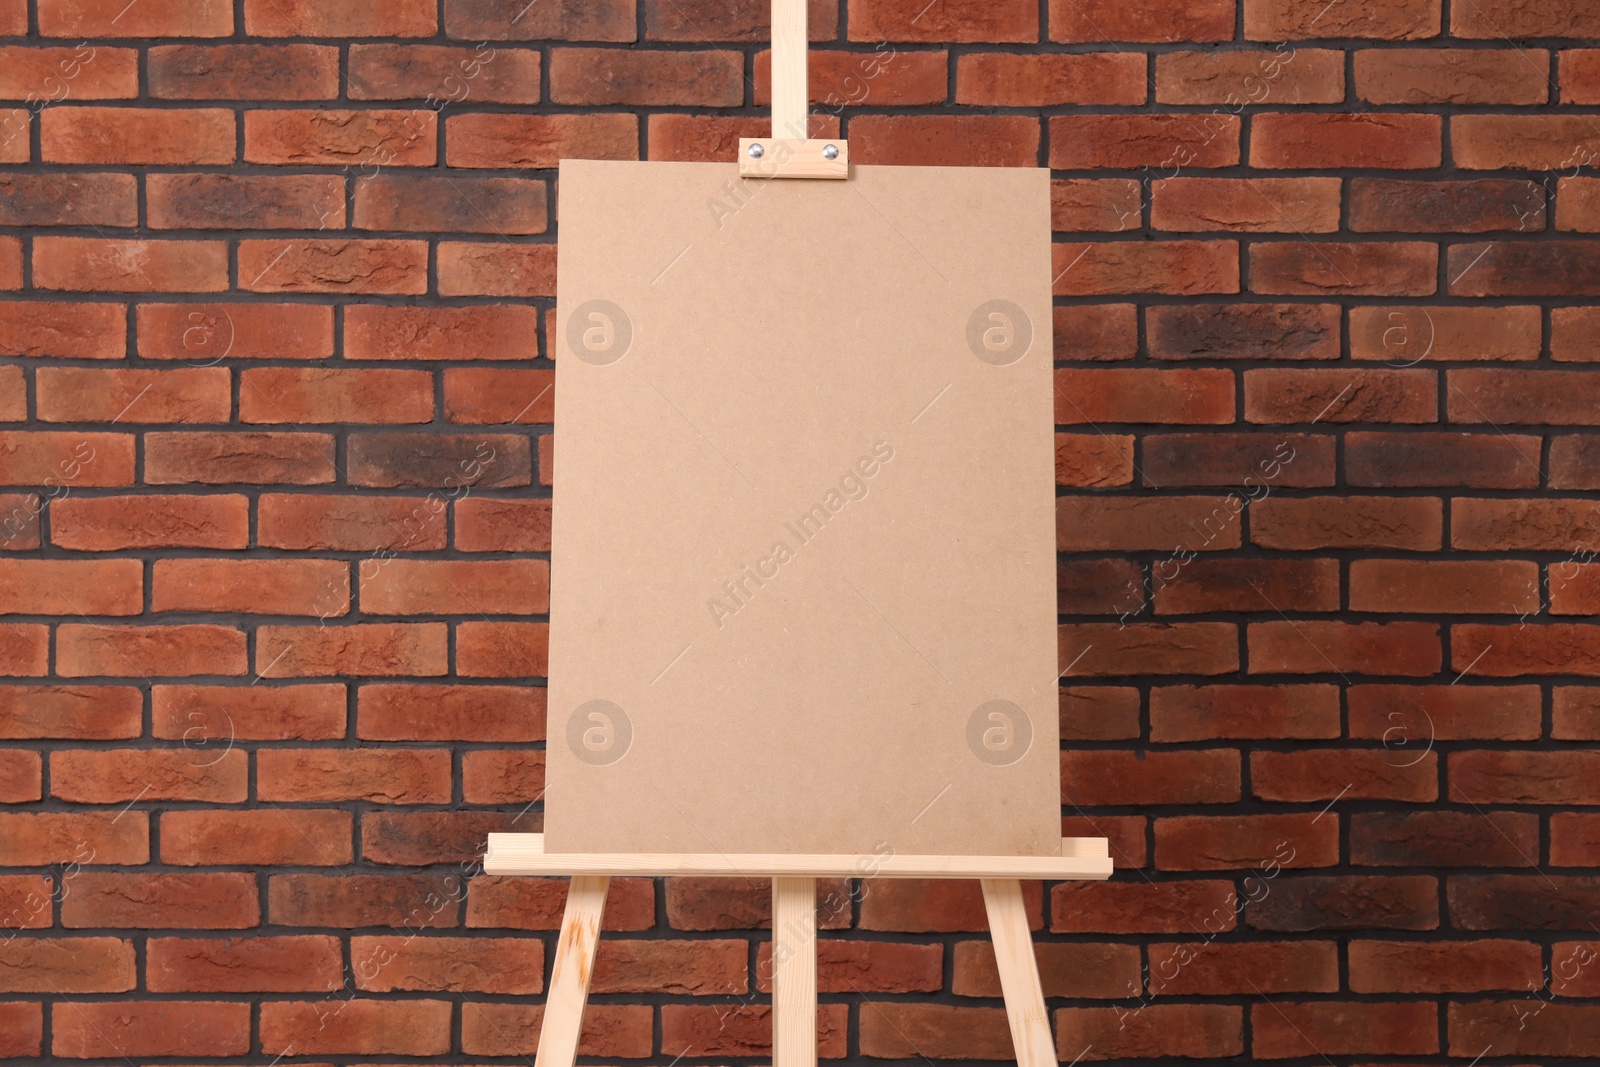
413,839
1201,713
154,18
24,650
1243,331
374,649
40,839
495,331
365,139
342,901
1168,143
1100,587
1095,21
1236,77
257,586
1541,525
1578,205
1144,395
1572,975
1574,589
1503,397
302,837
1254,463
1574,463
202,334
1365,268
1393,142
451,713
1408,718
340,18
20,776
496,777
1498,461
366,1027
304,265
37,75
245,202
892,1030
1521,142
742,20
1343,1028
238,458
139,136
1319,647
1452,76
1580,76
19,520
1394,20
614,1030
1348,902
1110,777
70,330
244,72
1162,648
1387,204
441,74
1077,970
1434,587
1317,774
84,650
71,587
123,1028
1004,80
1449,967
21,1029
502,649
497,20
1100,332
86,713
1209,968
947,140
482,268
114,776
956,20
1507,19
375,775
458,204
1115,267
519,903
450,587
513,525
1092,459
1173,524
10,263
1488,777
685,968
884,77
1274,395
1082,204
942,906
538,141
1208,585
1260,205
213,717
1558,268
107,523
1166,907
320,395
1531,902
1444,838
715,138
442,461
215,901
305,963
1574,839
507,965
140,396
1150,1031
654,78
1225,842
317,523
1404,336
68,965
91,264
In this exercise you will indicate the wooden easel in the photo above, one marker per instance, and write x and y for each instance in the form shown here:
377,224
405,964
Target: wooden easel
791,153
794,928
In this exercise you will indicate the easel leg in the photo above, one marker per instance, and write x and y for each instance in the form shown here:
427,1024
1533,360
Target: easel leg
569,978
794,972
1019,973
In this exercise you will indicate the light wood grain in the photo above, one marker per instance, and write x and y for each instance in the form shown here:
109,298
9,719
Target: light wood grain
793,159
1019,973
794,972
574,966
1081,858
791,101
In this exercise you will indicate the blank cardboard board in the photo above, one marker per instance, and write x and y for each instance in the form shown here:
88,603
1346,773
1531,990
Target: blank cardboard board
803,574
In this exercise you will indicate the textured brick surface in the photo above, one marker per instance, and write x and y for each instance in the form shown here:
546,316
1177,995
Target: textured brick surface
276,414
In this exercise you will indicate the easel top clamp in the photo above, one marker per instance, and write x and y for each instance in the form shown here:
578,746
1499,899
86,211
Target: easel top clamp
791,152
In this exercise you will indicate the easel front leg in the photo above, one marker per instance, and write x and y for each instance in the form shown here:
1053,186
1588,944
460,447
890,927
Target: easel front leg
794,972
574,966
1019,973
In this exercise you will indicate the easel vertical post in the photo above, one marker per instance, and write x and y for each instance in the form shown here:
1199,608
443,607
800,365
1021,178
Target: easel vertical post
794,972
791,98
1019,973
574,966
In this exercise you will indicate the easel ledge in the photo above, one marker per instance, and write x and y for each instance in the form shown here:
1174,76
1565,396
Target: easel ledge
794,928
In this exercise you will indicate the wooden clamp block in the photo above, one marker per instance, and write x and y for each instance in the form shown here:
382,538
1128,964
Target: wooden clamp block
786,158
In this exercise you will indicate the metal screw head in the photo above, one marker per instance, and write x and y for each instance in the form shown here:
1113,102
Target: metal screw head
756,151
831,152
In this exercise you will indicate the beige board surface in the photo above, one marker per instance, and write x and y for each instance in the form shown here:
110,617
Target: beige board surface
803,579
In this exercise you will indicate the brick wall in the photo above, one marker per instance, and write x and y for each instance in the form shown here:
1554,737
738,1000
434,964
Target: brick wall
275,469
